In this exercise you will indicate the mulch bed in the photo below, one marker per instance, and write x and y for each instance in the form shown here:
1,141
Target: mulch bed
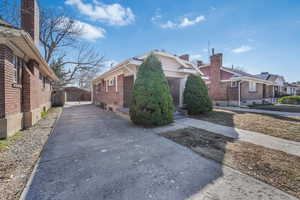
286,127
19,156
274,167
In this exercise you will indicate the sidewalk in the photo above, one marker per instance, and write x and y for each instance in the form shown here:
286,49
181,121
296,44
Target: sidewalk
258,111
271,142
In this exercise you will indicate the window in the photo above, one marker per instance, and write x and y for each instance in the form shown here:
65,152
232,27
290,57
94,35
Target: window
17,69
112,82
44,82
234,84
252,86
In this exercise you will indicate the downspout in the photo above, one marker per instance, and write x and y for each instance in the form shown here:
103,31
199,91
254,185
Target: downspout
239,88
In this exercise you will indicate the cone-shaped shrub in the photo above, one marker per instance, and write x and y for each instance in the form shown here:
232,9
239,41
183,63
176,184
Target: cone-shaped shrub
196,97
152,103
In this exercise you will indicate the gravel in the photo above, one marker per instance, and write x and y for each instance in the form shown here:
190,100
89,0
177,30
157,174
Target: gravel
17,160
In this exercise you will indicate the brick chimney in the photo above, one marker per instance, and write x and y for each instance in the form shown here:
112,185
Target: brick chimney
30,15
185,57
215,67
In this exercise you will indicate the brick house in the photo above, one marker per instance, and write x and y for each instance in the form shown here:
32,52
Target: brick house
230,87
25,78
277,80
113,88
77,94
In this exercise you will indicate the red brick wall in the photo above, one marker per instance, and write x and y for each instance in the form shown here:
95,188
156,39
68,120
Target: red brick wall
35,95
215,78
2,59
10,94
247,95
111,97
77,94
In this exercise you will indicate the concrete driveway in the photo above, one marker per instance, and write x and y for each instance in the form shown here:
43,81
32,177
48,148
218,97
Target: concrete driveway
94,154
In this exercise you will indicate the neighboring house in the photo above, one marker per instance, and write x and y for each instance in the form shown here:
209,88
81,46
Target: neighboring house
290,89
277,81
113,89
77,94
25,78
231,87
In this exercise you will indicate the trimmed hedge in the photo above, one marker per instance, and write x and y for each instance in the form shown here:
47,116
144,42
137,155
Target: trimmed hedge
152,103
196,96
290,100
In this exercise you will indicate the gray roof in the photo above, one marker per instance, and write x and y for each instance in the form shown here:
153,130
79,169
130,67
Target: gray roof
269,77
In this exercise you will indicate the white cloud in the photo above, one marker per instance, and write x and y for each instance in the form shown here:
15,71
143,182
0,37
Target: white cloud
168,24
187,22
242,49
113,14
90,32
195,57
183,23
156,17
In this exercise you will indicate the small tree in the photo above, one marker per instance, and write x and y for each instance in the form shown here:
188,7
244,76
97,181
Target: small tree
152,103
196,96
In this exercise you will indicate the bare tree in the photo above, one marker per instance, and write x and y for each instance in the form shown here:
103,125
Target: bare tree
86,62
10,12
59,34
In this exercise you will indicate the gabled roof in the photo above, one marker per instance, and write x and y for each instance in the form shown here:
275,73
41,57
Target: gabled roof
269,77
138,60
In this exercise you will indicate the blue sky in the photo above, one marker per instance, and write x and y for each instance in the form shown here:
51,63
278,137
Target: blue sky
257,35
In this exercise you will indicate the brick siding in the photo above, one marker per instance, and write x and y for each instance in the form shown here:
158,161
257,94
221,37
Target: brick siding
110,97
77,94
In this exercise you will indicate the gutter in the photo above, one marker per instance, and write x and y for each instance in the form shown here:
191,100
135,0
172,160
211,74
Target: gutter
28,41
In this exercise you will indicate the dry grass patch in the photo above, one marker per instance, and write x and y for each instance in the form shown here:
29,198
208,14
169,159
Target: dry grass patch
281,108
276,168
286,127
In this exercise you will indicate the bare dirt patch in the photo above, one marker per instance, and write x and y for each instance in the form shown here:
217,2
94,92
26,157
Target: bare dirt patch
276,168
19,154
286,127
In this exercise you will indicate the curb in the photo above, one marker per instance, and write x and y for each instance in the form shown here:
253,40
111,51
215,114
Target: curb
28,184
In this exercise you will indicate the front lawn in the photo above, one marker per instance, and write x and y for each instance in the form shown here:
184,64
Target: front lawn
276,168
286,127
278,107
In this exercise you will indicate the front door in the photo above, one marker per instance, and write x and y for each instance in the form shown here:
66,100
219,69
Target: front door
128,88
174,85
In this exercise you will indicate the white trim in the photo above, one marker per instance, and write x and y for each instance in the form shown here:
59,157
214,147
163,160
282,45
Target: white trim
252,86
116,82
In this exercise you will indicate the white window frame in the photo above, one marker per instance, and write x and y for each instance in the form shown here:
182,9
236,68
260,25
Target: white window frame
234,84
111,82
106,85
252,86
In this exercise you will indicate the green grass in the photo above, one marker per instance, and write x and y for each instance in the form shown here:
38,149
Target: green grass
6,142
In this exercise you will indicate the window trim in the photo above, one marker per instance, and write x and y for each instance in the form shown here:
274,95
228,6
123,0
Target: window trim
234,84
252,86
